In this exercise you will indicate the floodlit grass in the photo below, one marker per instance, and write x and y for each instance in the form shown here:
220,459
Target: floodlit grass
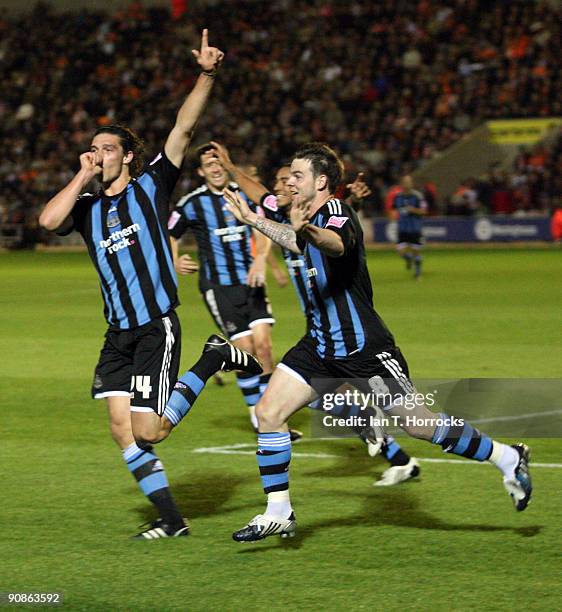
450,541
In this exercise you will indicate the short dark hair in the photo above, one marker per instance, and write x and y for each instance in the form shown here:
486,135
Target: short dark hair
324,160
130,142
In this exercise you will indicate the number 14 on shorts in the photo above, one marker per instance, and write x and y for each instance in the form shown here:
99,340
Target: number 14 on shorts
142,385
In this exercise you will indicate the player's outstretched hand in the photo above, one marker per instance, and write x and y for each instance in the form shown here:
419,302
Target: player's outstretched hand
237,206
185,265
90,163
359,189
299,214
222,154
209,58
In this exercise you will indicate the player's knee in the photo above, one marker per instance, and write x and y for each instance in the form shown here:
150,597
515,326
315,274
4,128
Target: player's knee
263,349
270,417
148,436
245,343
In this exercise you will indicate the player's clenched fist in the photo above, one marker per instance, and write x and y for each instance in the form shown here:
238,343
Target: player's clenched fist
209,58
90,163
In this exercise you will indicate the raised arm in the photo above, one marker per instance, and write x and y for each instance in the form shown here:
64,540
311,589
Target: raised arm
59,207
283,235
209,58
253,189
359,190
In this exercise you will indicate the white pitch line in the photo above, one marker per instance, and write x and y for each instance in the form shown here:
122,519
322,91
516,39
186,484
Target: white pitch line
237,449
516,417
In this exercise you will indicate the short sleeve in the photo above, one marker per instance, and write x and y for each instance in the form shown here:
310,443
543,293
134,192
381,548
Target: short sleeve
164,172
75,221
340,221
179,221
269,208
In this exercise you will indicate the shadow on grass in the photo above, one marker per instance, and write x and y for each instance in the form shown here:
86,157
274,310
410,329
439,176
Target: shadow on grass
203,494
397,507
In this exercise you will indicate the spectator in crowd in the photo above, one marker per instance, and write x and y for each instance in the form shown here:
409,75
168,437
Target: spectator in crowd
388,87
532,186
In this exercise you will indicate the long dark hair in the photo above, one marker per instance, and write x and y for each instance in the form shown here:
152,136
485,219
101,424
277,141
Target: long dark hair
130,142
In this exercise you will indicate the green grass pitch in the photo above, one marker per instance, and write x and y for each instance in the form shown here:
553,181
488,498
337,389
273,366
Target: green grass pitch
451,541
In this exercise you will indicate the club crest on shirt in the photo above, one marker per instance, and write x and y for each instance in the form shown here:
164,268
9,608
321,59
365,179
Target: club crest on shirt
112,217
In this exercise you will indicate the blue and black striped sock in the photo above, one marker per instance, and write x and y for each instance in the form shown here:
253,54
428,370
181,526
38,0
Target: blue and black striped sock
464,440
186,390
274,457
393,453
149,472
249,384
264,381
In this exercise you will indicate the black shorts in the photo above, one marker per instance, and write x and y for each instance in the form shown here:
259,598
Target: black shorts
140,363
379,370
238,308
415,238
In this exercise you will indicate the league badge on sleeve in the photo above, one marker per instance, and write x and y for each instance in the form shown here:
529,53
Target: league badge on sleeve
174,218
335,221
270,202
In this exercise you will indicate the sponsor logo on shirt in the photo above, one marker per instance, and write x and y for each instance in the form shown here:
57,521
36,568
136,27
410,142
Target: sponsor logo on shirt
295,263
335,221
231,234
120,239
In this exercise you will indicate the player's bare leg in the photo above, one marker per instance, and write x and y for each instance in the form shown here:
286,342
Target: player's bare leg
263,346
284,396
417,259
263,350
119,411
403,249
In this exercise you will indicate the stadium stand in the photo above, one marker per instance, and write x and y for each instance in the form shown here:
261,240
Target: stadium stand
390,84
533,185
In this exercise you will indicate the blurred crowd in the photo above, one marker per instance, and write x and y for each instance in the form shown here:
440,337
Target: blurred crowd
388,84
533,185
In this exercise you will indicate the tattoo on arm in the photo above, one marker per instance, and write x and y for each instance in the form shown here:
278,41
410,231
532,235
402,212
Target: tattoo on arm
283,235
